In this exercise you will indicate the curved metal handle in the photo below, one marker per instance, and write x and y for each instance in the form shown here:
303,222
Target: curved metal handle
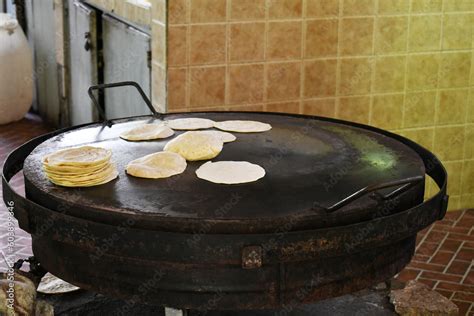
433,167
404,183
99,87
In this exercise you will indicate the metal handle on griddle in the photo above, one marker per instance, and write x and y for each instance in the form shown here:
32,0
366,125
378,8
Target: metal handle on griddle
114,85
404,184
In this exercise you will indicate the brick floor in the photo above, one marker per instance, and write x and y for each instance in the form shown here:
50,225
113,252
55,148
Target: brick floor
11,136
444,257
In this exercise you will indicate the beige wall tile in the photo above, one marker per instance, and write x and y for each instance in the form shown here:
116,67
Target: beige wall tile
469,150
207,85
284,107
355,76
470,114
454,203
467,201
177,90
358,7
247,108
387,111
285,9
178,11
284,40
205,11
458,31
420,109
449,142
356,109
208,44
158,10
467,176
422,71
321,38
452,106
283,81
158,92
322,8
247,41
458,5
422,136
177,45
320,107
142,14
422,6
159,43
428,183
320,78
119,8
108,5
246,83
247,9
454,70
391,34
393,6
357,36
425,33
217,108
472,68
454,169
390,74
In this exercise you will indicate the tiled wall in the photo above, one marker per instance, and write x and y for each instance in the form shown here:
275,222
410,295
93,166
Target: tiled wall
398,64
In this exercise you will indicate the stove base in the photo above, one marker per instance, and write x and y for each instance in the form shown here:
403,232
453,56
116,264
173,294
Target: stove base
182,287
82,303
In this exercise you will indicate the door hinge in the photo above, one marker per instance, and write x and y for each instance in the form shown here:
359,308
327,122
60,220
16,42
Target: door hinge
148,58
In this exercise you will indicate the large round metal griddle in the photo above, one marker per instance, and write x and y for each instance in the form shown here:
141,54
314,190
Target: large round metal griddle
311,165
337,211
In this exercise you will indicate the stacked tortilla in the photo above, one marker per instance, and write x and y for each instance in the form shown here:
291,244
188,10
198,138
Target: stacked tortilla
80,167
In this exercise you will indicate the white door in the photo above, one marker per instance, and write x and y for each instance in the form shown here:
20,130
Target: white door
41,32
126,58
83,62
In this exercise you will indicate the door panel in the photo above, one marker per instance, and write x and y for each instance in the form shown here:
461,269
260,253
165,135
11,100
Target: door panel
125,53
83,62
46,74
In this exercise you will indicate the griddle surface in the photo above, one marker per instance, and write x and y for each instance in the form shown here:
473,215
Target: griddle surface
310,163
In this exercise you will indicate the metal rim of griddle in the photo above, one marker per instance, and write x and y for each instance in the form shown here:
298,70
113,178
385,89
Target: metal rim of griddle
235,270
400,185
431,162
434,168
61,242
313,219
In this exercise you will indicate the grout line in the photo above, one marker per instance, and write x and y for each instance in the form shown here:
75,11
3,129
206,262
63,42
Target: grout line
454,256
304,30
407,55
471,267
187,100
459,218
439,244
346,57
328,17
471,310
423,239
338,60
265,56
227,54
374,63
